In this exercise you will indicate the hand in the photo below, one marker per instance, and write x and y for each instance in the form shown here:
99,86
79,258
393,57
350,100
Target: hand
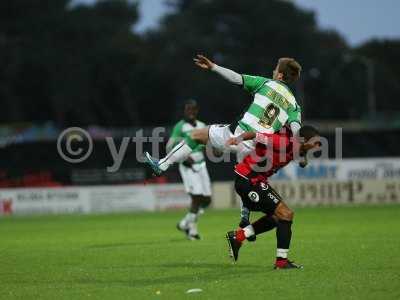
217,152
303,164
203,62
233,141
188,163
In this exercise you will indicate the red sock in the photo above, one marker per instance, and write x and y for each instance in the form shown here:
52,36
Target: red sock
240,237
280,262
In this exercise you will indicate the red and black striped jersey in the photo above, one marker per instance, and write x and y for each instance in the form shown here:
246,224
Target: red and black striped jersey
272,152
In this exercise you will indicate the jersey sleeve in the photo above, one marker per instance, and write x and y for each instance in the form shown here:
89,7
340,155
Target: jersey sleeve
176,131
294,114
176,136
252,84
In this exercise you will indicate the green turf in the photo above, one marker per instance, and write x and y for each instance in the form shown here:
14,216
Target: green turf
348,253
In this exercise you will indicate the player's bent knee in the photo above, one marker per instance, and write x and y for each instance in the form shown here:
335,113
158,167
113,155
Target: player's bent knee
286,216
206,201
284,213
290,215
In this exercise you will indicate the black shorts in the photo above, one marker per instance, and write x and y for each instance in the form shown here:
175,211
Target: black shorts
259,197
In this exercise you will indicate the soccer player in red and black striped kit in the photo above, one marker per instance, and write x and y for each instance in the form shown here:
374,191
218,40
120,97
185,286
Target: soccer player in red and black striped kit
272,152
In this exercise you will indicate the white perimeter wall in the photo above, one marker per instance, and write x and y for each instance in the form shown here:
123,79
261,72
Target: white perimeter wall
322,182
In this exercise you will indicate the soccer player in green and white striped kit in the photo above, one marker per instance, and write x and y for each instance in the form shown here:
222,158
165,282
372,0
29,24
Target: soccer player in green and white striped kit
193,170
273,107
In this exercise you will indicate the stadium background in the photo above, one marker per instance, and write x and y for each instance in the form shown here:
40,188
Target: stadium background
83,64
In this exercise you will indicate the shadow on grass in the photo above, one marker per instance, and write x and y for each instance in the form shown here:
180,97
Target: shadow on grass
202,273
194,265
166,274
133,244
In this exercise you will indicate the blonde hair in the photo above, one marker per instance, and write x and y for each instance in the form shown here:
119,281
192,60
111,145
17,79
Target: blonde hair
290,69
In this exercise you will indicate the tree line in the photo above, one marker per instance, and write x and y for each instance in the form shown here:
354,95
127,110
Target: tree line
84,64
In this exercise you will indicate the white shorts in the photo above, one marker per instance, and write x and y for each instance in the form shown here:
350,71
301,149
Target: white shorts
196,179
219,134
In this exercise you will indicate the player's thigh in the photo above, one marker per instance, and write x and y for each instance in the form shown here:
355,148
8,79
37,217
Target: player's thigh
269,198
258,197
273,204
188,178
244,148
205,181
254,197
192,180
219,134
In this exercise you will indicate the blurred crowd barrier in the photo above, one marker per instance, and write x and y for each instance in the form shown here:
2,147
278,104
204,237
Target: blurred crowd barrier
39,164
323,182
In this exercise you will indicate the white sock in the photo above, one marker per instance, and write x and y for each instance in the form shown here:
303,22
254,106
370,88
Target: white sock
283,253
183,224
191,217
248,231
192,223
179,153
187,220
193,228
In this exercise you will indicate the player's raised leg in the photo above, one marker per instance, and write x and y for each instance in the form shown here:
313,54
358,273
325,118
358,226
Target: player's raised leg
217,134
179,152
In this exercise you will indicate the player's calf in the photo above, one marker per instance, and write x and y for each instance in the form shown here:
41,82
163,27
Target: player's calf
283,236
249,231
264,224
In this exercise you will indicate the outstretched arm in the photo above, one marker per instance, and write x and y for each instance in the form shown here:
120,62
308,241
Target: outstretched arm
228,74
245,136
295,128
206,64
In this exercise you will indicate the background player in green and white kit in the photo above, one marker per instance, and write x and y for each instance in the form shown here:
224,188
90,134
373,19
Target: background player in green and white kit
193,170
273,106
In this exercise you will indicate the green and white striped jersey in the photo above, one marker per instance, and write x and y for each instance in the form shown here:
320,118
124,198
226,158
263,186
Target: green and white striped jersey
180,131
274,105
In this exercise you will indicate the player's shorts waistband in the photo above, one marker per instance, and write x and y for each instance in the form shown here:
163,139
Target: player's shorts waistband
251,180
240,176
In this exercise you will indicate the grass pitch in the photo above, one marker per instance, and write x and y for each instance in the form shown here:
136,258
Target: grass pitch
347,252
